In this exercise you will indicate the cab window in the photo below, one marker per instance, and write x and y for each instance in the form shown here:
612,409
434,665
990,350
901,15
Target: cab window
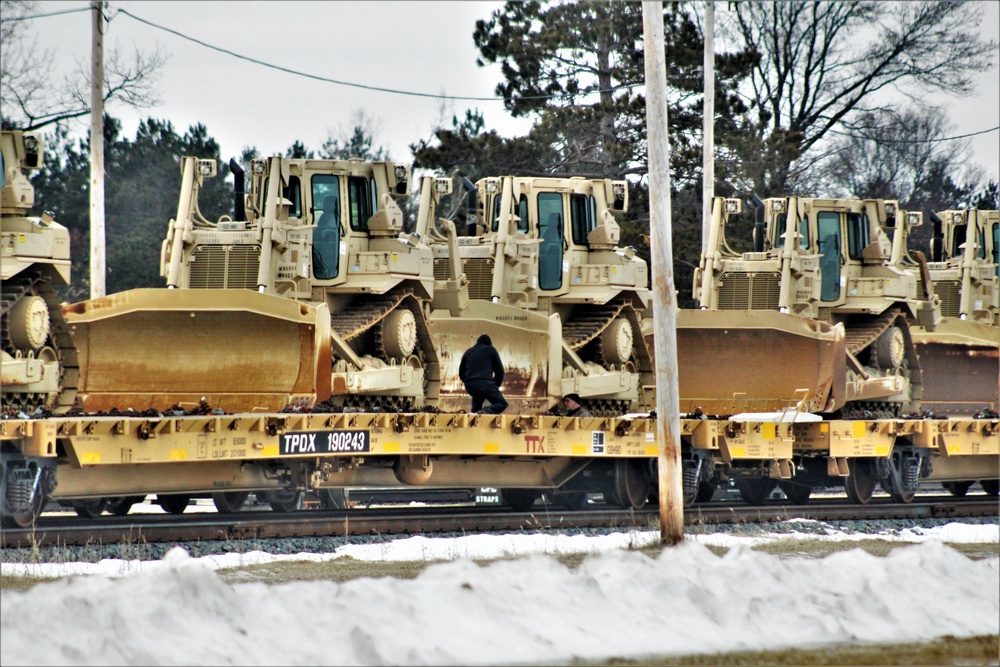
522,213
293,193
550,232
829,240
326,235
361,200
779,241
857,234
582,214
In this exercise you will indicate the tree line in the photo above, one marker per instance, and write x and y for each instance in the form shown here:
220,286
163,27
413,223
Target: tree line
804,105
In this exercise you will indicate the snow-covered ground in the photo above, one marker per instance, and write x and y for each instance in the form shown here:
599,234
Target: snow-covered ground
533,610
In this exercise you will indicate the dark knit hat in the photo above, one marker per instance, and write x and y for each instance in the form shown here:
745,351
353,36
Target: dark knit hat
573,397
485,340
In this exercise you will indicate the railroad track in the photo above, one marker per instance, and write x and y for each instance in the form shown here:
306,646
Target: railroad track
159,528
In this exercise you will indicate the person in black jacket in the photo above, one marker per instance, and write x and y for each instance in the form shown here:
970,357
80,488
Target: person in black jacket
482,373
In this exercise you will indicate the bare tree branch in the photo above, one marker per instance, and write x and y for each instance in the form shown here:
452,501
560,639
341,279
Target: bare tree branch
29,98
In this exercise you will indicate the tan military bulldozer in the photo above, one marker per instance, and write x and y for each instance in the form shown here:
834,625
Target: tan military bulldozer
541,272
310,292
39,360
960,358
818,316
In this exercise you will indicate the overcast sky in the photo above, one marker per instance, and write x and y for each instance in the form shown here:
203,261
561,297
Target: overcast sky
417,46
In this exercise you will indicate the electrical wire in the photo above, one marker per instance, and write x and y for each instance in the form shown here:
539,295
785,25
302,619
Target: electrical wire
42,16
915,141
315,76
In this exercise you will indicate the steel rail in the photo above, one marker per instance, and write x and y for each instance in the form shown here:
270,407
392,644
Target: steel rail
250,525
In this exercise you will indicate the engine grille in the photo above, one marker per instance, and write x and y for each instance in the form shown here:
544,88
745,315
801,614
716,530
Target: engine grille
948,292
225,267
479,271
749,291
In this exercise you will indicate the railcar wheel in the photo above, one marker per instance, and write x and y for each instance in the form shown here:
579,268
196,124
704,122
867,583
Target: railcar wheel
902,477
797,492
755,490
90,508
121,506
28,517
332,498
957,489
990,486
519,500
228,502
173,504
285,500
631,484
860,483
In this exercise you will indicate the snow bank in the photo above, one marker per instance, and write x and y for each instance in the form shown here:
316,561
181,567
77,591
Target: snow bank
534,610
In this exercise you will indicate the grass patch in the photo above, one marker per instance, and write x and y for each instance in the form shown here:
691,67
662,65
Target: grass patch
338,569
983,650
16,583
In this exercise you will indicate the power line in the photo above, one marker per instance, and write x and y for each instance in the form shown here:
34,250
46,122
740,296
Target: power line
42,16
915,141
315,76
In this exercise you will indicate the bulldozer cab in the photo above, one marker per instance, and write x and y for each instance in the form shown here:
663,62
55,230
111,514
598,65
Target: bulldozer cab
539,241
304,228
811,257
19,152
965,263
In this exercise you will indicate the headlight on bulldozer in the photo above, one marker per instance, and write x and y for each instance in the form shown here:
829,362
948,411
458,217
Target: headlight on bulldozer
733,206
492,186
442,186
956,218
258,166
890,209
777,205
206,168
914,218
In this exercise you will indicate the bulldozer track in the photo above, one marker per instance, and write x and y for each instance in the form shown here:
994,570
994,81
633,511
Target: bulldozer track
859,336
34,284
588,322
362,316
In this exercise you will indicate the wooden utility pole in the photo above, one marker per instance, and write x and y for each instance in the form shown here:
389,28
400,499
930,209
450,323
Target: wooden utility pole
668,425
708,127
97,257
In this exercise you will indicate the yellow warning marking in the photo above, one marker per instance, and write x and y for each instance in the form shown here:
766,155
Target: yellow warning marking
581,449
738,451
491,447
178,454
391,447
90,457
954,449
769,431
859,430
269,450
881,450
652,451
824,428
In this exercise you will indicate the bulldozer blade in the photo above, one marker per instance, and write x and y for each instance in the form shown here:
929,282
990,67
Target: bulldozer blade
960,361
529,344
238,350
755,361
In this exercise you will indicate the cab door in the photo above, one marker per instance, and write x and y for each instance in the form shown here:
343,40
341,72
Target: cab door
830,241
550,232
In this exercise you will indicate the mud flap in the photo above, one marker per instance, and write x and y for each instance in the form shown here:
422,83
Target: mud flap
239,350
757,361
